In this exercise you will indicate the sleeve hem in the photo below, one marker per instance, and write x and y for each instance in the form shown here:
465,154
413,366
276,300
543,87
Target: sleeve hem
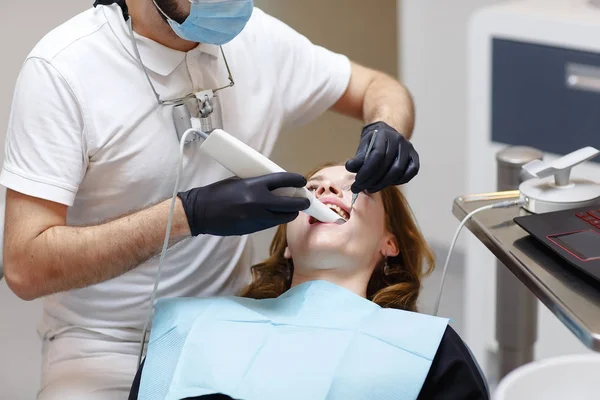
340,69
341,85
37,187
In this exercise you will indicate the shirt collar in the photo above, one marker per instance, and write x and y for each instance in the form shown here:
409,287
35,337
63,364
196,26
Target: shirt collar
156,57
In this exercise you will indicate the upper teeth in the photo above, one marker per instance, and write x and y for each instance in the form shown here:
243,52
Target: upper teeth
339,211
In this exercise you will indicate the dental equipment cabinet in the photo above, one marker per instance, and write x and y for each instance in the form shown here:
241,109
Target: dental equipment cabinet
533,82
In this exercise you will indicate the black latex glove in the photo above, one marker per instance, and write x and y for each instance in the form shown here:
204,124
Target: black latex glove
392,160
235,207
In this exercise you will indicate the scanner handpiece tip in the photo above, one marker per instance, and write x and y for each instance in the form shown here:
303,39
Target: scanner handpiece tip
341,221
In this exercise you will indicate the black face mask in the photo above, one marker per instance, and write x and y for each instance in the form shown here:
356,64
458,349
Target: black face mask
121,3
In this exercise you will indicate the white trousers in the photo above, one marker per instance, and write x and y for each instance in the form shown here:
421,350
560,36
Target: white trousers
84,368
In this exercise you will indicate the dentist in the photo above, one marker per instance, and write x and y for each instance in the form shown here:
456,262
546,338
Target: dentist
90,161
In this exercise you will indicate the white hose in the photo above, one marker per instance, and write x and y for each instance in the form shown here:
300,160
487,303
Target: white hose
166,242
504,204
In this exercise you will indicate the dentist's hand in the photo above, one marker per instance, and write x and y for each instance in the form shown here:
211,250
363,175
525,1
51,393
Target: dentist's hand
392,160
235,207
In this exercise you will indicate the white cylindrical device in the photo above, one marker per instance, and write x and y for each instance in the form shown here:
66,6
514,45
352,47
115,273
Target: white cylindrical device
245,162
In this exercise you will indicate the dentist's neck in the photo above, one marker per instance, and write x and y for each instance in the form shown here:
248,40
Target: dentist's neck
148,22
355,282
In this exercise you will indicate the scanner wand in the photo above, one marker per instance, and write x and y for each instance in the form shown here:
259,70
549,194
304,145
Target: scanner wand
371,143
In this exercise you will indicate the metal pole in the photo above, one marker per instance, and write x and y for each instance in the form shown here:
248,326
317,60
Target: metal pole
516,307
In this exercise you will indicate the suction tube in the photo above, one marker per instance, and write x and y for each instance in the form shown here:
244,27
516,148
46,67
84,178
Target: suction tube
245,162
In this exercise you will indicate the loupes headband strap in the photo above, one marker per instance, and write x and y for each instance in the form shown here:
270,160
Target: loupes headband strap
121,3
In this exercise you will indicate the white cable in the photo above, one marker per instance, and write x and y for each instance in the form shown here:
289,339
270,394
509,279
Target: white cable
166,242
504,204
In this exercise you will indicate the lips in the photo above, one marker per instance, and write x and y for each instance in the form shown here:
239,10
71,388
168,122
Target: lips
336,205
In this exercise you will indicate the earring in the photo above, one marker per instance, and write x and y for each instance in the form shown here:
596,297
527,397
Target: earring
386,267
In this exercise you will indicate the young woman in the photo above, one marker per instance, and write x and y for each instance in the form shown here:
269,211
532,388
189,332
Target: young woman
331,314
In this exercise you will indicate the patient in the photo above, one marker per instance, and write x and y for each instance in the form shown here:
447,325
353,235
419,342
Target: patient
324,317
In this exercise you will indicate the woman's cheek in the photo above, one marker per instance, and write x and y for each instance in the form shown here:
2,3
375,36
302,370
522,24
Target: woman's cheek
372,219
292,231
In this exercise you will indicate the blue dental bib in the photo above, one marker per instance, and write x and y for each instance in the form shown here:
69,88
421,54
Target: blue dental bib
318,341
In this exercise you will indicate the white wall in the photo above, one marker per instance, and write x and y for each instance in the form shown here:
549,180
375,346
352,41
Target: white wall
348,26
433,61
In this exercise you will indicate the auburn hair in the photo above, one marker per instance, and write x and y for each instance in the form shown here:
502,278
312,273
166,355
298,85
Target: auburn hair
399,288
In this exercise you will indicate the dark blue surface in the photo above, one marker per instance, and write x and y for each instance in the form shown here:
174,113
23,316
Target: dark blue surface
533,106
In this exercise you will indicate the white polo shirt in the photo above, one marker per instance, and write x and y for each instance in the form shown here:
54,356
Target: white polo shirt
86,131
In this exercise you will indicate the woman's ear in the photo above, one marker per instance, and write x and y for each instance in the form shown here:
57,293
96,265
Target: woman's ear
389,246
287,253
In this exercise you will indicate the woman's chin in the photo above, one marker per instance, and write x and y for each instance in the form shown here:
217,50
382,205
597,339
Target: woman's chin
323,253
324,241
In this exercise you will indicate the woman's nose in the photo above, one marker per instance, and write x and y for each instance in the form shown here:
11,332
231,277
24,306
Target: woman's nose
328,188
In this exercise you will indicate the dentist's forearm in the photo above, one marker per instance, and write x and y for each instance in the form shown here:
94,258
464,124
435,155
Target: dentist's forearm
389,101
374,96
64,258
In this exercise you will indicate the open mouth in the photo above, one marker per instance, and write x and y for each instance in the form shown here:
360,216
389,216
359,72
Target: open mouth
336,208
